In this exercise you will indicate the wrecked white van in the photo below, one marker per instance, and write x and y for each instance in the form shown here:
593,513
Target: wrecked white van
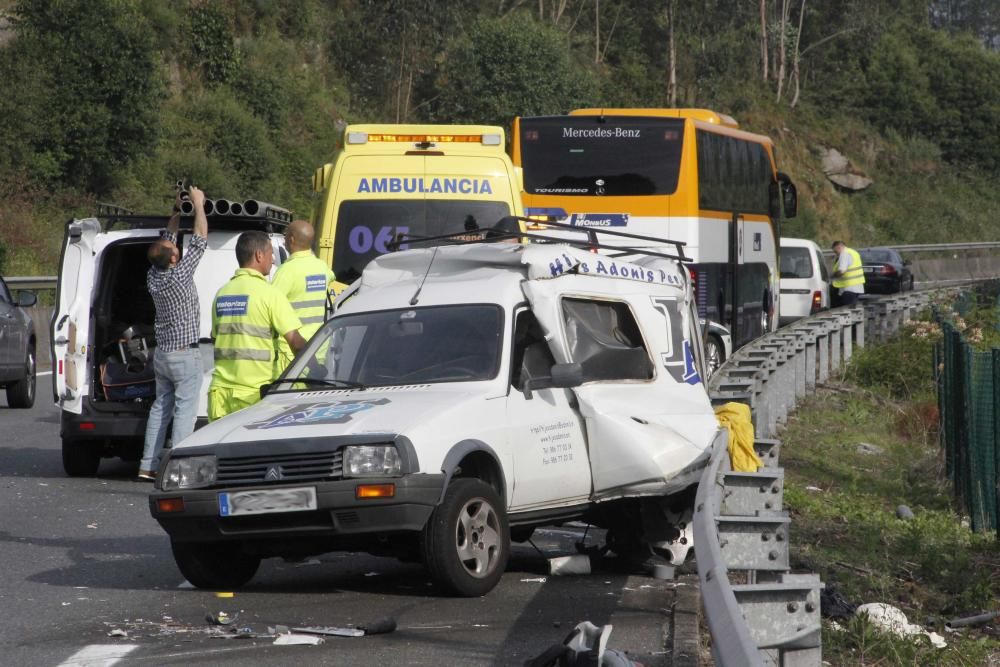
459,397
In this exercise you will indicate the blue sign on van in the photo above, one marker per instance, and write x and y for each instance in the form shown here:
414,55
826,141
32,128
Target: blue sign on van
599,220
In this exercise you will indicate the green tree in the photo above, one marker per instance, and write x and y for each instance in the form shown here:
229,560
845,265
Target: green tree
93,89
507,67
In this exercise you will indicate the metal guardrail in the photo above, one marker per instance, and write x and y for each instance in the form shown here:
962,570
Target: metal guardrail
31,282
770,616
936,247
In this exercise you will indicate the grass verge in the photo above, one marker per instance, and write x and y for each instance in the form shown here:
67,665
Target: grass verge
855,451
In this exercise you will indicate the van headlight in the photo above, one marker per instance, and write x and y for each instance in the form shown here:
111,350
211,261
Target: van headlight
366,460
190,472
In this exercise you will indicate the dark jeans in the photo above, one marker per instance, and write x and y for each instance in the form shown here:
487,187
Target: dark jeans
848,298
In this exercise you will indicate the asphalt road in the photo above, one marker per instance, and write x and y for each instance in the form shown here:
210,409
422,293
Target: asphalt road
88,579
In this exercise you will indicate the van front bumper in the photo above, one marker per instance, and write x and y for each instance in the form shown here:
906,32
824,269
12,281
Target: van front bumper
339,520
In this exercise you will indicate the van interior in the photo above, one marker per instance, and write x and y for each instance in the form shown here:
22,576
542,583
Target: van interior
123,313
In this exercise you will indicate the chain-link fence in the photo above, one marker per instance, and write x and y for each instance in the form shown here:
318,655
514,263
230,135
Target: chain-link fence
968,383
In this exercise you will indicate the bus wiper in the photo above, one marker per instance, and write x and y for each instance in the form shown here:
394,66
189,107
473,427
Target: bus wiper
343,384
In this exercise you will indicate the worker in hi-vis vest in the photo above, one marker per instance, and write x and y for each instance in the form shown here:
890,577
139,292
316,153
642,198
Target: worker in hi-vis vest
248,314
305,280
848,276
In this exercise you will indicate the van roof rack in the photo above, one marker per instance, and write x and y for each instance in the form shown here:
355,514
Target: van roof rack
507,229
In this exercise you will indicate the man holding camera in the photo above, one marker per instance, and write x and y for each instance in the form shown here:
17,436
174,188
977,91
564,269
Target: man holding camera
177,360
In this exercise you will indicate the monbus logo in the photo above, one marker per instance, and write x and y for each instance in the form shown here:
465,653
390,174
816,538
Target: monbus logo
464,186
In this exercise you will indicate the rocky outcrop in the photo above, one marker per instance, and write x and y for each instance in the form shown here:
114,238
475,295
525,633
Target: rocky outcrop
841,172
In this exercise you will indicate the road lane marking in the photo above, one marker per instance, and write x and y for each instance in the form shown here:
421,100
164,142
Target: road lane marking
99,655
44,373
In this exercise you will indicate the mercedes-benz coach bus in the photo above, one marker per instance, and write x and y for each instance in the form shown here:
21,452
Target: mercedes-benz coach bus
684,174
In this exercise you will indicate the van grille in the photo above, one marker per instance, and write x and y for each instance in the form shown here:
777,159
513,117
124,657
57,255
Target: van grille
317,466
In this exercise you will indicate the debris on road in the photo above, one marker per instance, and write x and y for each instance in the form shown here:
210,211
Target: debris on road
568,565
291,639
222,618
534,580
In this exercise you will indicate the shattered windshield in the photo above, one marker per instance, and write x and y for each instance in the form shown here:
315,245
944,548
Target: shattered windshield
411,346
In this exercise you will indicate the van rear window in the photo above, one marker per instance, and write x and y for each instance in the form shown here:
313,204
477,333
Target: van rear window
796,262
365,227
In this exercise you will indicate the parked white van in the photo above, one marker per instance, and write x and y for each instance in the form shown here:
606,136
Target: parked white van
805,280
102,325
459,397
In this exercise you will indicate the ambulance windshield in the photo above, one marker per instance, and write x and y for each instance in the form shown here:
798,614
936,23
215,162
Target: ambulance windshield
412,346
365,227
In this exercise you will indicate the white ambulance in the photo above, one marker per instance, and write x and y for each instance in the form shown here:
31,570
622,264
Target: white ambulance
459,397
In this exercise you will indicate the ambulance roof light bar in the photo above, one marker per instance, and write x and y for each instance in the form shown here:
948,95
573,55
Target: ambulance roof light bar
428,140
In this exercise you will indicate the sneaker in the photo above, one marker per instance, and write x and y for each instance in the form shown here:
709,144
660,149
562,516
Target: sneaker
147,475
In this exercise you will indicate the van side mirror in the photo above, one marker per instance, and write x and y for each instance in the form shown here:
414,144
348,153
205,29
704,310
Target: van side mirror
562,376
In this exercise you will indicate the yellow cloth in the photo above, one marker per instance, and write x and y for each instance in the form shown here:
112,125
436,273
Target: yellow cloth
736,417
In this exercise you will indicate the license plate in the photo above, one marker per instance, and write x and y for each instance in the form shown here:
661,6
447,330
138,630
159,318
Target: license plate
267,501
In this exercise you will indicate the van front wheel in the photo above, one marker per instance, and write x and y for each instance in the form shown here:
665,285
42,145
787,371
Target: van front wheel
466,542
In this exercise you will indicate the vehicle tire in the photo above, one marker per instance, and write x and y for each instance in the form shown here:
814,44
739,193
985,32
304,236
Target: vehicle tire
214,565
765,313
628,544
466,542
21,394
715,353
80,457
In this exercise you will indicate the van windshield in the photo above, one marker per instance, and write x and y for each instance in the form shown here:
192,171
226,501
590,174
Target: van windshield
365,227
411,346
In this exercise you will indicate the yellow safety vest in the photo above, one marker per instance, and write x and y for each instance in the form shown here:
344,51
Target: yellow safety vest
305,280
854,275
247,315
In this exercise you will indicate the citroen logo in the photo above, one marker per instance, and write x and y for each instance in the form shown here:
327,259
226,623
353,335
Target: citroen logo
273,474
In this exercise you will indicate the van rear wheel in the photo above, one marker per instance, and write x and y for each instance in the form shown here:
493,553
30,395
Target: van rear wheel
466,542
80,457
214,565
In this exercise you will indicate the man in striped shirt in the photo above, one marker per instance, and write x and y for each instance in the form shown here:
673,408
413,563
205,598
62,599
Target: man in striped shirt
177,360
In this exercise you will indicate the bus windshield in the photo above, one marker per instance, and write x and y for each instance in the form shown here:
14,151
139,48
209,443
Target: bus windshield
366,226
609,155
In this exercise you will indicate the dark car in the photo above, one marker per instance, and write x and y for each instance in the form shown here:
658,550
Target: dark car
886,272
17,347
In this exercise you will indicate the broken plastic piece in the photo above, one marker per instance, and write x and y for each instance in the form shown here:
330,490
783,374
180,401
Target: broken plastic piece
336,632
291,639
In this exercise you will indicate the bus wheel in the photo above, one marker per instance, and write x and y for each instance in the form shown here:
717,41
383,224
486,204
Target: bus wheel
765,313
715,353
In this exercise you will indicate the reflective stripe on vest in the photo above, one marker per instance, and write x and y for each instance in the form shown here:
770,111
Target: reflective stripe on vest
244,347
854,275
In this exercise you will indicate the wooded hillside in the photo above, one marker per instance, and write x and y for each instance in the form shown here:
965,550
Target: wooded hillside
114,100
